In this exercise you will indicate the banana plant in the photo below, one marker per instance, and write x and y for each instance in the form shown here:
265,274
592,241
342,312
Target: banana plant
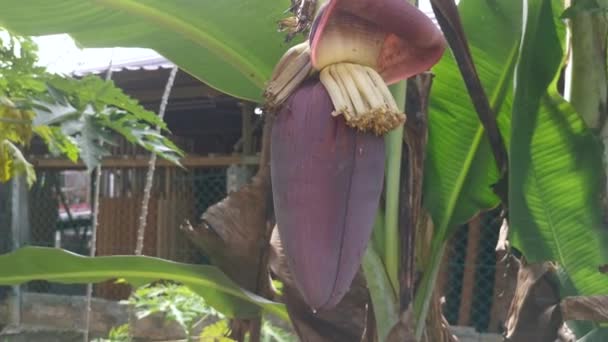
330,91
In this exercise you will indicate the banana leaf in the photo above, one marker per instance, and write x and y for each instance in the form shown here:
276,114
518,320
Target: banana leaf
460,168
232,45
57,265
555,166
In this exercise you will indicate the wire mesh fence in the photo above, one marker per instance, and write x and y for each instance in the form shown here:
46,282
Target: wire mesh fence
59,207
470,277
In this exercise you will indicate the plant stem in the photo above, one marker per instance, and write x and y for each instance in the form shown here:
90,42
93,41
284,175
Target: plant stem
394,147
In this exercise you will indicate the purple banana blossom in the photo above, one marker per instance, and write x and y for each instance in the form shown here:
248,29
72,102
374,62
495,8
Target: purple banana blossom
326,181
327,177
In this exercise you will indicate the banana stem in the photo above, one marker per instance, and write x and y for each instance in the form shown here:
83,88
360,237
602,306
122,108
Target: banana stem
394,147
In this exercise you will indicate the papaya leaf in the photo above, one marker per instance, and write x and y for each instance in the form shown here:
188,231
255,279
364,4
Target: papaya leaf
88,141
13,163
98,93
15,123
57,142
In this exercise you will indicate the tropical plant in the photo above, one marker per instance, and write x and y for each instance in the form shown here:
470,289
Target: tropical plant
500,133
177,303
71,116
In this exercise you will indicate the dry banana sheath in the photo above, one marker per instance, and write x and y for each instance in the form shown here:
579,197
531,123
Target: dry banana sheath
292,69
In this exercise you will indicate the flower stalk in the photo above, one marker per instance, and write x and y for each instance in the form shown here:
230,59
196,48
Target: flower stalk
394,148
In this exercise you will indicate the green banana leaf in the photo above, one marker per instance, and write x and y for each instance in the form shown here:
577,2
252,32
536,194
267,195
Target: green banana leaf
555,164
232,45
460,168
57,265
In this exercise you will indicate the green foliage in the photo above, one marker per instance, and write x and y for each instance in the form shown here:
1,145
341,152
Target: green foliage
232,45
216,332
56,265
72,116
273,333
555,163
91,111
177,302
19,80
555,179
12,162
460,168
180,304
117,334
